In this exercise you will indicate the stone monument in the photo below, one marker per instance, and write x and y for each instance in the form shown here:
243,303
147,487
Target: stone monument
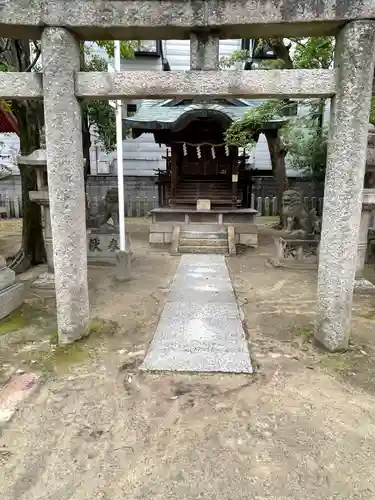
299,246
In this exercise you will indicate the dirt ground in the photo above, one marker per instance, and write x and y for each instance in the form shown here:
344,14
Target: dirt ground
301,427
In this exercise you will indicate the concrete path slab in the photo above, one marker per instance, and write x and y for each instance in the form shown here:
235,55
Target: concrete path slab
200,329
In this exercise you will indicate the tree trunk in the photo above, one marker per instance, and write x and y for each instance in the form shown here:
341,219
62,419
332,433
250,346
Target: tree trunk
86,145
281,50
86,138
32,252
15,56
277,154
86,142
321,108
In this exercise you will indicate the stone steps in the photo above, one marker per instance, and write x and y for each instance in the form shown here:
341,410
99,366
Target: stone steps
206,242
223,250
203,242
211,235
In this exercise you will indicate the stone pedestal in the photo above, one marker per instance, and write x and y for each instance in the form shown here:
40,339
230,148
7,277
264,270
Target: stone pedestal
45,281
346,159
102,246
296,253
12,294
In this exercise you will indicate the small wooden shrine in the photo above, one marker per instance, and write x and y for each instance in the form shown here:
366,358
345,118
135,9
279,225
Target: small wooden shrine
206,183
199,165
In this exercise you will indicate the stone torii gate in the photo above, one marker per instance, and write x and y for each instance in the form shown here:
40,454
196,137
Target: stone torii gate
62,23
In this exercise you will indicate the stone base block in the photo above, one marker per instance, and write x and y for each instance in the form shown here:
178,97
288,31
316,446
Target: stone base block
296,254
7,277
156,238
11,298
246,234
364,287
45,281
160,238
161,233
102,247
249,240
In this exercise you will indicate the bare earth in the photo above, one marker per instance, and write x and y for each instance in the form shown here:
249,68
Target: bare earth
302,427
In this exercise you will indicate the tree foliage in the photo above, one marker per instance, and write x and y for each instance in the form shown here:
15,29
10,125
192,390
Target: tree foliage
303,136
243,133
127,48
100,116
314,53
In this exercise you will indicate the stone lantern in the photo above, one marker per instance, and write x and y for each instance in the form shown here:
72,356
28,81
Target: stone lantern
368,207
38,159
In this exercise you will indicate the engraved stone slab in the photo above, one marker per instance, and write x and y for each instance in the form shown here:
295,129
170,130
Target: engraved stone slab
102,247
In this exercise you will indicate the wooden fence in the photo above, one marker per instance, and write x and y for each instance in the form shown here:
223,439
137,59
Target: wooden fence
139,206
10,207
267,206
135,206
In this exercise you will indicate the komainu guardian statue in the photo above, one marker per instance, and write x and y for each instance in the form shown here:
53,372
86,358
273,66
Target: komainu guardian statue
107,219
300,222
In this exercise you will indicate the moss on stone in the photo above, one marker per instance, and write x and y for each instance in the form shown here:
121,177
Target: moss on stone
21,318
305,333
102,328
14,321
56,359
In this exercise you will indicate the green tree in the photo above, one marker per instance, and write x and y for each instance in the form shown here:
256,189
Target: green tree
302,136
98,116
15,55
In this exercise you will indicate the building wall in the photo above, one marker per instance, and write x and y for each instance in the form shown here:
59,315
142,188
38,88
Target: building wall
9,148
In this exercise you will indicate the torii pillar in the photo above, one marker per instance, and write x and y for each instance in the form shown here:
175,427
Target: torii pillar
346,159
61,59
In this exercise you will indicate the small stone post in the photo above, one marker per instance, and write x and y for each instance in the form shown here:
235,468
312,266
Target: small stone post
354,61
61,58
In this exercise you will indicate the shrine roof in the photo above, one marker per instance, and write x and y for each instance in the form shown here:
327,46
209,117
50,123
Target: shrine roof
166,114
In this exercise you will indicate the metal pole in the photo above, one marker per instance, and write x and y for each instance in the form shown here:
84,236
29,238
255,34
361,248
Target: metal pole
120,165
